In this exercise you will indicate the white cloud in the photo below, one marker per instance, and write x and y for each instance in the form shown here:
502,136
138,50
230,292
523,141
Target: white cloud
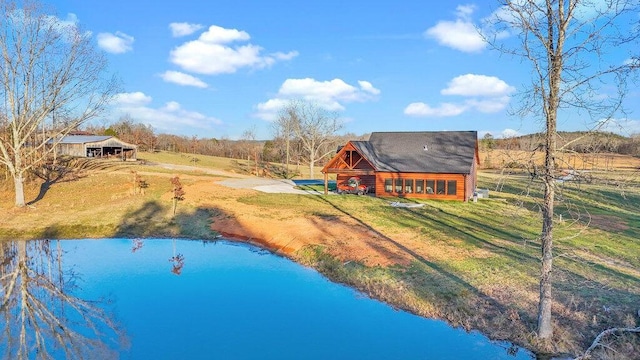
183,79
284,56
331,95
132,99
509,133
443,110
488,106
366,86
477,85
465,11
268,110
70,22
460,34
171,117
485,94
117,43
212,53
183,29
220,35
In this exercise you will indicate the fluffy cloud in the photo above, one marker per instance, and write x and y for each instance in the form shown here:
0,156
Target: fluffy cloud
117,43
460,34
443,110
485,94
331,95
214,53
477,85
132,99
183,29
183,79
170,118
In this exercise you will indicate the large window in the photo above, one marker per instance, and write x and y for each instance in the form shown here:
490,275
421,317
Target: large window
451,187
388,185
398,187
431,186
408,186
420,186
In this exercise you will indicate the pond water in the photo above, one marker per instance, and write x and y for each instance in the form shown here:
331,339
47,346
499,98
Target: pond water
180,299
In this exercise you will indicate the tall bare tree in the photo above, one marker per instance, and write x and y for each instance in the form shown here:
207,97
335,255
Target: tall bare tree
568,45
51,81
283,128
314,127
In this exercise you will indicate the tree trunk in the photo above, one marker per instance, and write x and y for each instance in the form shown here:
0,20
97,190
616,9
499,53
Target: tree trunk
18,182
312,162
287,159
545,328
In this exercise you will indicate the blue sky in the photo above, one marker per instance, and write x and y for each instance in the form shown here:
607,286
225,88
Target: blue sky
218,68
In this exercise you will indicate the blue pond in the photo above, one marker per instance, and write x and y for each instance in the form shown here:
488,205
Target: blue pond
179,299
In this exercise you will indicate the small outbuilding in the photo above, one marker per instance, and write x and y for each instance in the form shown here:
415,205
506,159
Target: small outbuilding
95,146
425,165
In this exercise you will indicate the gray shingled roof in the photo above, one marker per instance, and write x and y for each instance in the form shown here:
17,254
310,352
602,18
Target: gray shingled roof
83,139
434,152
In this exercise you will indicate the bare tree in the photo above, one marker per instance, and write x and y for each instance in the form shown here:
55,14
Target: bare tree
314,127
283,129
43,320
567,44
252,147
50,82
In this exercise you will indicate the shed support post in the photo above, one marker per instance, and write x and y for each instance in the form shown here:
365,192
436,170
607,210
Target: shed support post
326,183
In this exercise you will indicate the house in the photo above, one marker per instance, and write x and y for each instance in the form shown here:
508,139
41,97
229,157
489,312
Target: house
95,146
423,165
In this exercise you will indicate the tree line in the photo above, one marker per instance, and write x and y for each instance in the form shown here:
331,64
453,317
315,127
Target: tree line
580,142
304,134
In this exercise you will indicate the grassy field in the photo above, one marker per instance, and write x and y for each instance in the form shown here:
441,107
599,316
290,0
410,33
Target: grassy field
472,264
226,164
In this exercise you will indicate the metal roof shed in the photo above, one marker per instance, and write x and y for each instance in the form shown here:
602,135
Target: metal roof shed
95,146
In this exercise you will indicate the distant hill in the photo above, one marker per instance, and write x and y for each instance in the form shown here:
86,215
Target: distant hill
576,141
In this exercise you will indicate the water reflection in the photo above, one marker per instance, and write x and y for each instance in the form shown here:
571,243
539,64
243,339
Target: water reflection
42,317
177,259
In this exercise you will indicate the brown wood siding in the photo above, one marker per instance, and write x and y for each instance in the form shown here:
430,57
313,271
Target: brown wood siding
459,178
368,180
71,150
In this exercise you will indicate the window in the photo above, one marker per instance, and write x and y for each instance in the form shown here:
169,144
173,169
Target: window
399,186
430,186
408,186
451,187
419,186
388,185
440,185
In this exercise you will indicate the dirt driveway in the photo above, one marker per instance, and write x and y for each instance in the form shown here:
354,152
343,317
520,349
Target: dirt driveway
280,186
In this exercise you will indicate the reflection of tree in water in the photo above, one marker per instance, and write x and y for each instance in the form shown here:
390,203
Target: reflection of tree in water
137,244
42,319
177,260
